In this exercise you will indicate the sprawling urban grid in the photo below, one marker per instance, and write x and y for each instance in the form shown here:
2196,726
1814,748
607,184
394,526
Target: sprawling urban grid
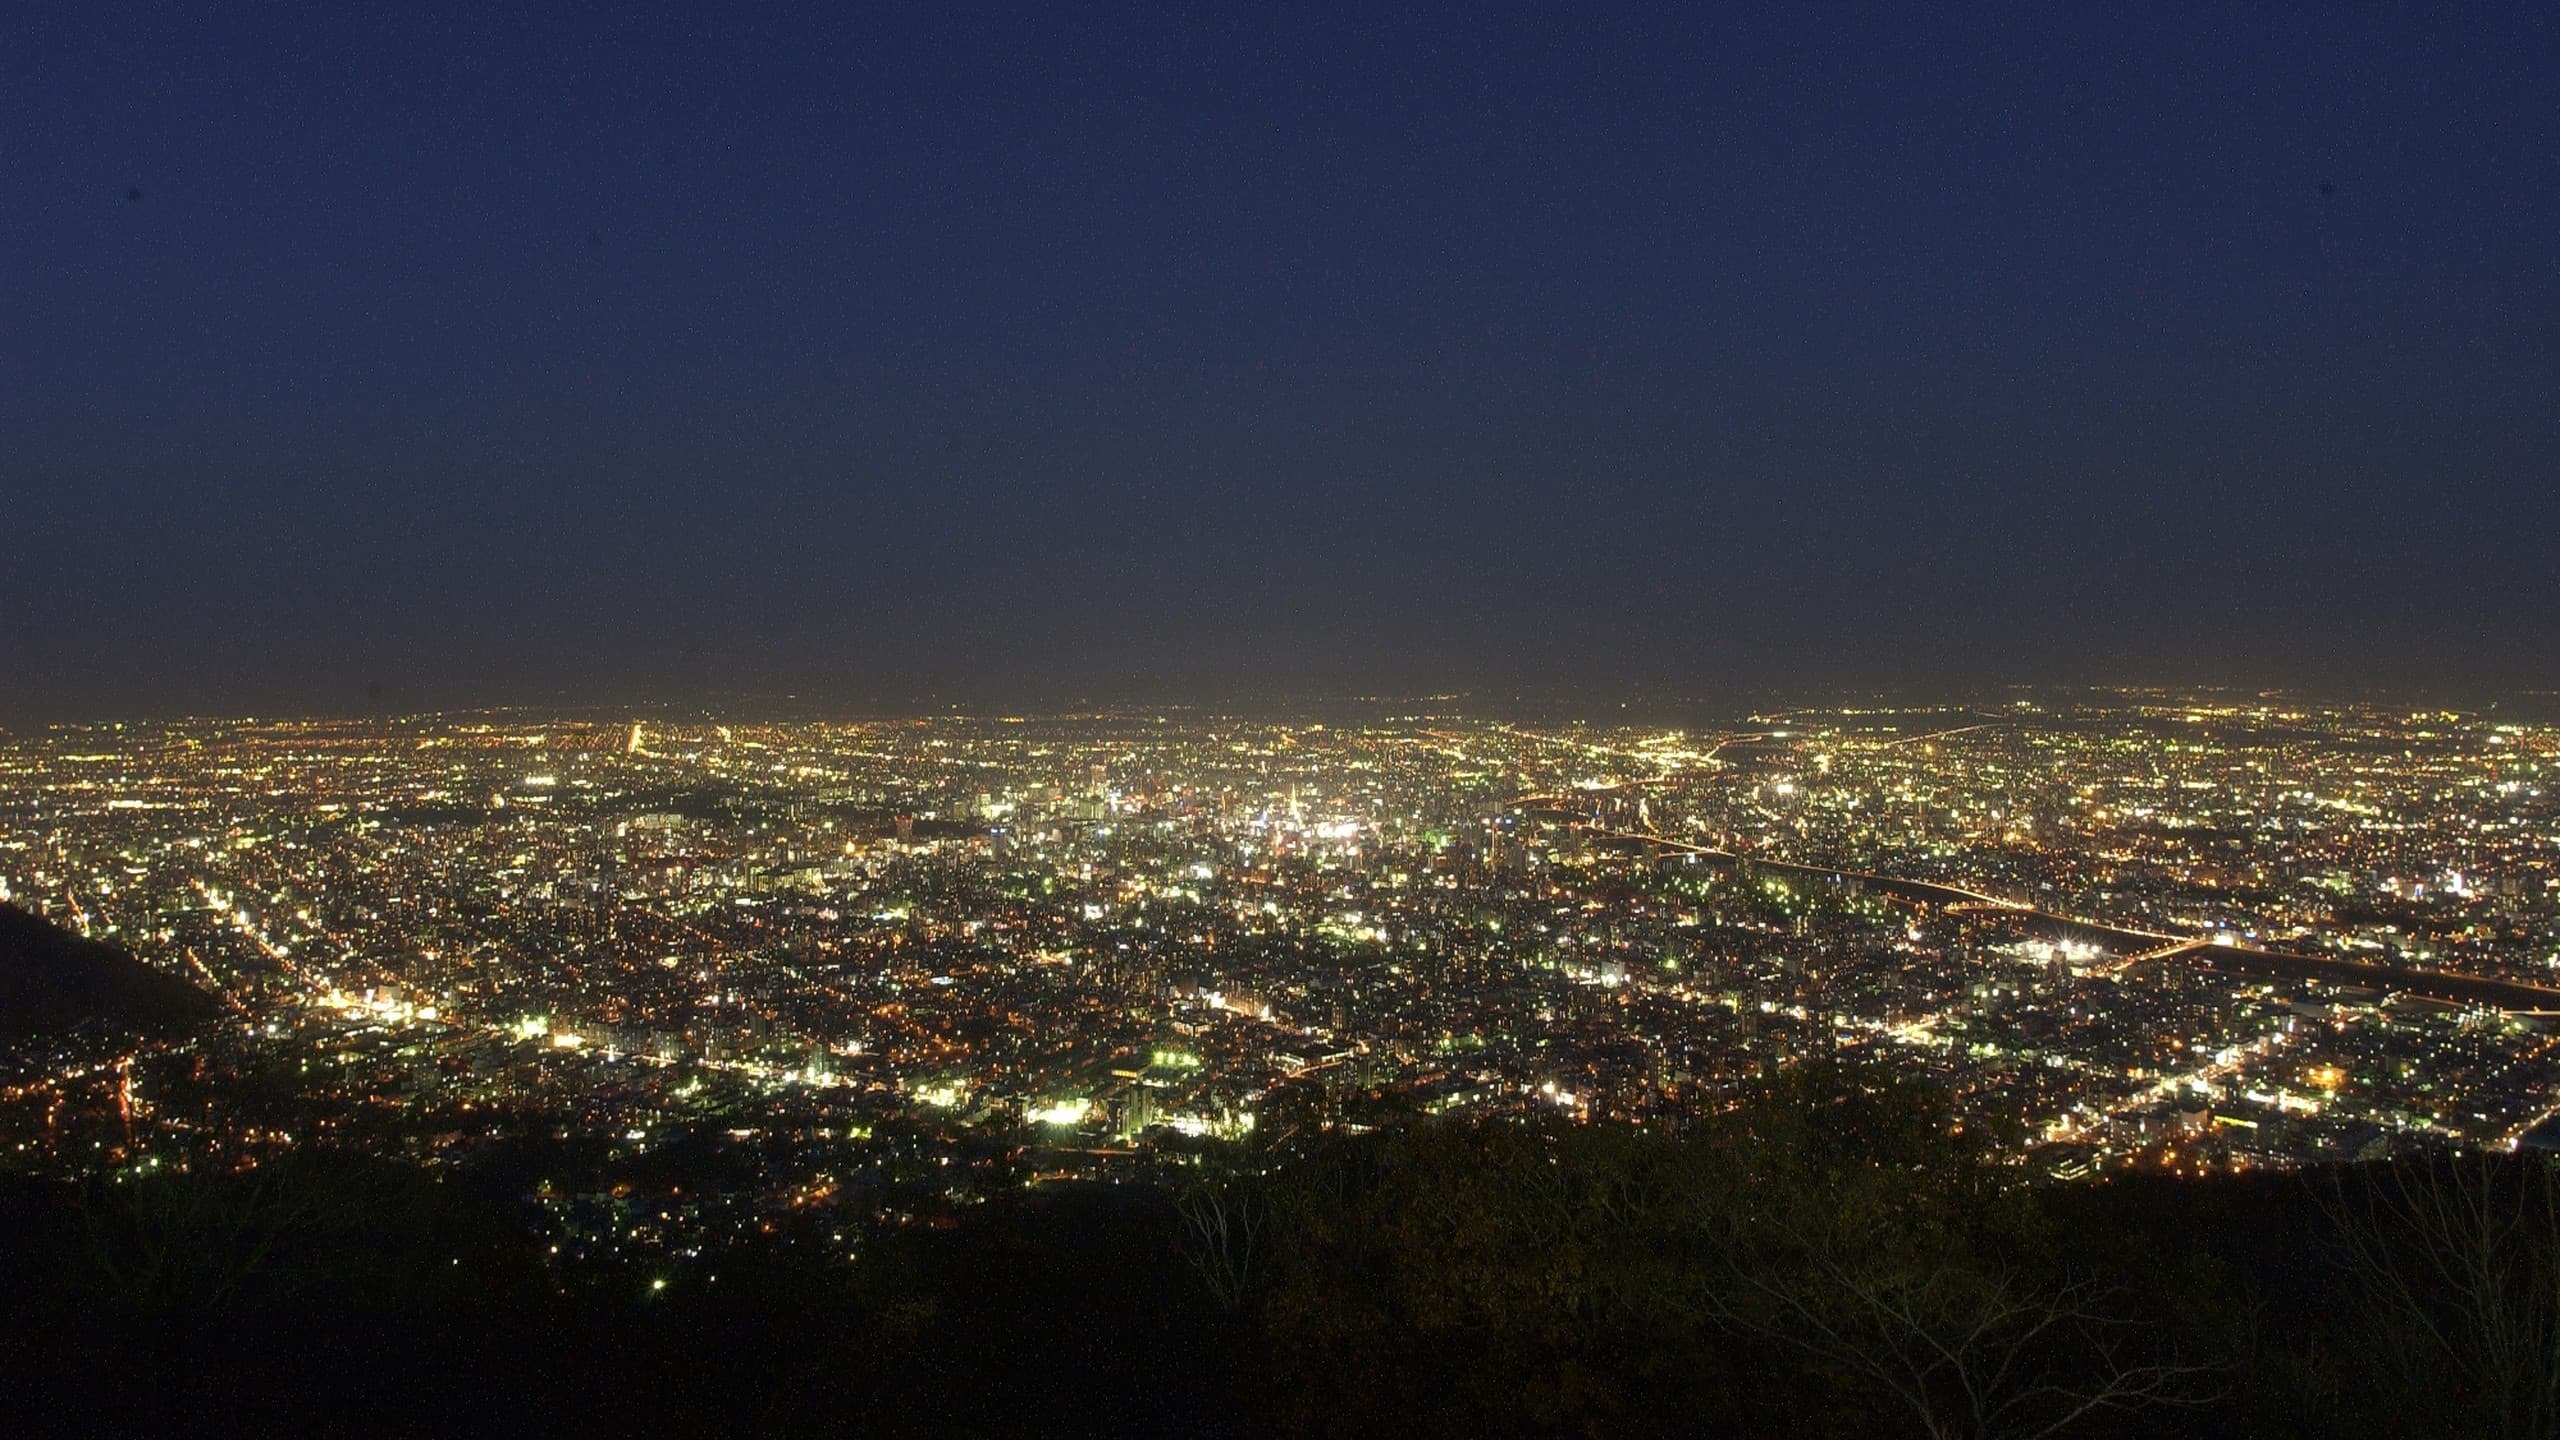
698,983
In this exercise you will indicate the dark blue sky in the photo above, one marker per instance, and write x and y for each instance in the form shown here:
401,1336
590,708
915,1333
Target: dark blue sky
485,352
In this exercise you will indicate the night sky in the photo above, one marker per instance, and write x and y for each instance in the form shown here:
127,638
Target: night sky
427,354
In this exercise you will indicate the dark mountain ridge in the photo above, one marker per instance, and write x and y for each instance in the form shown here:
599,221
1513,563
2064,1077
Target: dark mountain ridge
51,980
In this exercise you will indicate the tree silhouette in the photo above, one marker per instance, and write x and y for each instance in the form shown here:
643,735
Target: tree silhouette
2458,1264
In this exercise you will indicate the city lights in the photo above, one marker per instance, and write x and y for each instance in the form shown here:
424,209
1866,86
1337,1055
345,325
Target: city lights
908,964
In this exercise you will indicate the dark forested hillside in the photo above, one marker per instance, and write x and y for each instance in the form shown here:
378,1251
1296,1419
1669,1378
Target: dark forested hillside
1831,1262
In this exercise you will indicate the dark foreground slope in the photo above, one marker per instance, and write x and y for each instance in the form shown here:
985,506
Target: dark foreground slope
52,980
1824,1266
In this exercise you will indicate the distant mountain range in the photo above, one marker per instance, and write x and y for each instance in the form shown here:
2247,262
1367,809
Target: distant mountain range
51,980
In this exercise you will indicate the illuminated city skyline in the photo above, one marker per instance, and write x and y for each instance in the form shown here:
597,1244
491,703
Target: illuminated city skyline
1432,720
2130,930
